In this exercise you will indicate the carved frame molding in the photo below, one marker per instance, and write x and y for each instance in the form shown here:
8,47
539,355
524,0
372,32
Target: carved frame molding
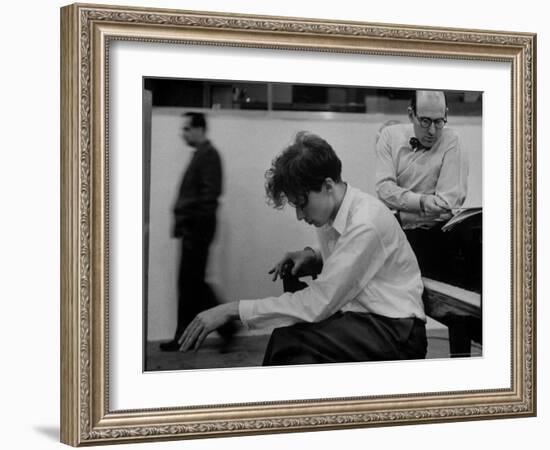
86,32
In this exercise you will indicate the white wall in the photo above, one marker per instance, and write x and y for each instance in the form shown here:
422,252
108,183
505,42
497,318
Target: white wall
252,236
29,230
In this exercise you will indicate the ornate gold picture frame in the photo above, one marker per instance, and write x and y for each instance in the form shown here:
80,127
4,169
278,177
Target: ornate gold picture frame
87,415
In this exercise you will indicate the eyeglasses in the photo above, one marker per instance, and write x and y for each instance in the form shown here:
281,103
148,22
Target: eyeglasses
426,122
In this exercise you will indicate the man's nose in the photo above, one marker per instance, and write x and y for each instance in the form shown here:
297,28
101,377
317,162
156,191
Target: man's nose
431,128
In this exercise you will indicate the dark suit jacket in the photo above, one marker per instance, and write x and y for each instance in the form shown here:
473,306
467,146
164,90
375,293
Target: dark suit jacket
199,191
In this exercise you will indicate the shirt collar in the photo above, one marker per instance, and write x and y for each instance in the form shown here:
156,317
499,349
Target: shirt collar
339,223
415,144
412,141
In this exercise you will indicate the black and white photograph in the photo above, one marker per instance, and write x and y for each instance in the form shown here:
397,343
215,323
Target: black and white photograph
277,222
292,223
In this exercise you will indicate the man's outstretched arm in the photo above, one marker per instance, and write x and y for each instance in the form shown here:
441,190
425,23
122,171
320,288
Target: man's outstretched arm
297,263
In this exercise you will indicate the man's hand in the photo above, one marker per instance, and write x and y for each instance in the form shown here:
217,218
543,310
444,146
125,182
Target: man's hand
444,217
206,322
297,263
432,205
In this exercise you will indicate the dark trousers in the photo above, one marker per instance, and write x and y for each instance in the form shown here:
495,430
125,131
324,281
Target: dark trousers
347,337
194,294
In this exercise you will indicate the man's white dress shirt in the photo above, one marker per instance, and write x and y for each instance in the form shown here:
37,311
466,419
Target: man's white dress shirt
403,174
368,266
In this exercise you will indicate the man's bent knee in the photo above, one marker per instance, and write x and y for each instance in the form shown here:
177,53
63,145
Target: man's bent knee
283,347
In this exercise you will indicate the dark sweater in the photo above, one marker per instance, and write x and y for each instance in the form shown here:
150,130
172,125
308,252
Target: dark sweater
199,190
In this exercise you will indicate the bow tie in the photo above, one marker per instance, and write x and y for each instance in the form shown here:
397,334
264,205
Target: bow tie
416,144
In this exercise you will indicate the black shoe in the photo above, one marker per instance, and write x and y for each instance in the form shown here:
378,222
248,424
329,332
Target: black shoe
170,346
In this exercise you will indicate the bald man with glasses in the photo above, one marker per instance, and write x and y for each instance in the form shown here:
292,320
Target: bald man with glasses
422,174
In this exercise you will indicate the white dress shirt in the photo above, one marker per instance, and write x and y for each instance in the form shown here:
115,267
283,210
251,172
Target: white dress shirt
368,266
404,174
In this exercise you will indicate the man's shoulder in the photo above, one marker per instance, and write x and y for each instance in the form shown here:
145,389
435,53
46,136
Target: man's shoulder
367,210
208,151
396,132
450,136
207,146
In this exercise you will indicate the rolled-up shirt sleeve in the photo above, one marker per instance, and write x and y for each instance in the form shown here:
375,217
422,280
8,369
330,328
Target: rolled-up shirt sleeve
356,258
394,196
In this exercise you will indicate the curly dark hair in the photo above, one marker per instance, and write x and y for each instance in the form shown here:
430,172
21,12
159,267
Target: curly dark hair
302,167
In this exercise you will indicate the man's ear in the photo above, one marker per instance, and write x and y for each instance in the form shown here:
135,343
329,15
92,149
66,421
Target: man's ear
328,184
410,113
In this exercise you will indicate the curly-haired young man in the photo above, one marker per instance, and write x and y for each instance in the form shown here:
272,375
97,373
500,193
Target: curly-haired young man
365,302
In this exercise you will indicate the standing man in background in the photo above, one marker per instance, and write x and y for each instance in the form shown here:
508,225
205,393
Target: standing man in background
195,224
422,174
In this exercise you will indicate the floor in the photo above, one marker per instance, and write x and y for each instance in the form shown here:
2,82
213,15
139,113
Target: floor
246,350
